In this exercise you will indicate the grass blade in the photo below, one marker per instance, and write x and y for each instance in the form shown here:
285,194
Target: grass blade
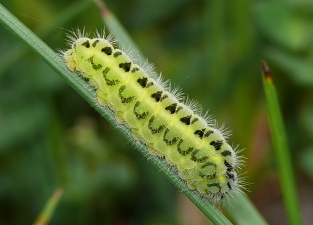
243,211
46,214
112,23
51,58
281,149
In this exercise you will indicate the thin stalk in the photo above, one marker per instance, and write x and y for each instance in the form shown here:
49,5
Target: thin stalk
47,212
283,158
112,23
243,211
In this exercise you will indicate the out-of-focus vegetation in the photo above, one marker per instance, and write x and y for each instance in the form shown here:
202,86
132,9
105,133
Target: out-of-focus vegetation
50,137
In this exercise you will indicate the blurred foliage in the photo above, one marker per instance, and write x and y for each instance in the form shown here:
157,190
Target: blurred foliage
50,137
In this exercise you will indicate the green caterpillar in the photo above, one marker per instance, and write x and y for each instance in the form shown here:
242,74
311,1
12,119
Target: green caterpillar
156,116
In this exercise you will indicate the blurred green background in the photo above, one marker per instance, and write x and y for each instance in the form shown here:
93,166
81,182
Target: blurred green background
50,137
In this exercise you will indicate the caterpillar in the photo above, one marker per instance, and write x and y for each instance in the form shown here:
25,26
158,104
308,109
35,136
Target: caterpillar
171,127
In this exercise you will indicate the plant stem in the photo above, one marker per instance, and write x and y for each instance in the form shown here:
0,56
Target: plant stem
281,149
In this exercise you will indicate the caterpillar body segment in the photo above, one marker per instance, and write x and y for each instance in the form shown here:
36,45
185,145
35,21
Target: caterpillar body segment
158,118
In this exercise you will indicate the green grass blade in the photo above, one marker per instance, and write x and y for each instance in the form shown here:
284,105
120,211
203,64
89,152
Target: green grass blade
46,214
243,211
281,149
112,23
51,58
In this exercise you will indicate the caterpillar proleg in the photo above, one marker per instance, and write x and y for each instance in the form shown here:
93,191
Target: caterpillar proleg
160,118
